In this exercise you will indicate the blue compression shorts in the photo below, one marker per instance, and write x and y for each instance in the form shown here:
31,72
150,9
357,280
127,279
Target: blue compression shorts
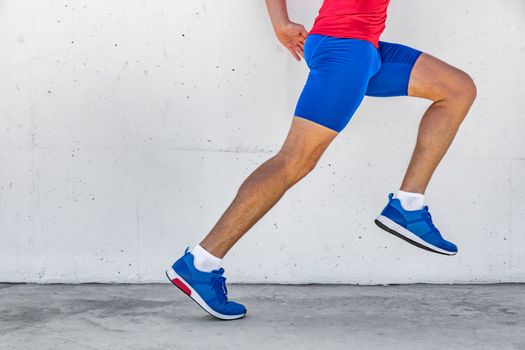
343,71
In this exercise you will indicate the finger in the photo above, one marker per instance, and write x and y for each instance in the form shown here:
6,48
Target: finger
304,32
299,50
294,54
301,45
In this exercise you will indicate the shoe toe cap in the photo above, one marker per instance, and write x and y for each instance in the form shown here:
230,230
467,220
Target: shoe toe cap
231,308
236,308
449,246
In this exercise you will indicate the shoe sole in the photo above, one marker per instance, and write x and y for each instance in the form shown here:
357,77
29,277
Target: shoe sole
185,287
397,230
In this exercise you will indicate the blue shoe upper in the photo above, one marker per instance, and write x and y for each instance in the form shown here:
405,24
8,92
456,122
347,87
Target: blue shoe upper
211,286
418,222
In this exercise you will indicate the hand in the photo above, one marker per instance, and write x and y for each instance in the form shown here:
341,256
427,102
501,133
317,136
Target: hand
292,36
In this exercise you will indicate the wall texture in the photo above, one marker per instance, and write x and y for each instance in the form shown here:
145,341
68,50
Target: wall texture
127,126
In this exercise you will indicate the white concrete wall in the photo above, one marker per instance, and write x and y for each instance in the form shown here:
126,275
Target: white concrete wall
127,126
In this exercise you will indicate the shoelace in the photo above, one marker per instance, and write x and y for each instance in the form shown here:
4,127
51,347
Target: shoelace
219,283
428,219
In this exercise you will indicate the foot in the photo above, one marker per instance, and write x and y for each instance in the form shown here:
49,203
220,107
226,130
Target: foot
415,227
208,289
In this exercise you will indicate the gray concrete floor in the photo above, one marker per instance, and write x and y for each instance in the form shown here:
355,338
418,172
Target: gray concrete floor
293,317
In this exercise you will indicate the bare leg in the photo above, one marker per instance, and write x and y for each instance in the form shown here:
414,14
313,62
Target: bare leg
304,145
452,92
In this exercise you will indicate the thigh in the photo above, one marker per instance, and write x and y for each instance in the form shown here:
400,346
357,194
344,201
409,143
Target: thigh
307,140
339,73
435,80
397,63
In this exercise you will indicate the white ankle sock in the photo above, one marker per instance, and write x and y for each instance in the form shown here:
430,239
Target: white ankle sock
205,261
410,200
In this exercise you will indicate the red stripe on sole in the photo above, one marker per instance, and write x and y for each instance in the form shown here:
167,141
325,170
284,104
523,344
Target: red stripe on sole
181,285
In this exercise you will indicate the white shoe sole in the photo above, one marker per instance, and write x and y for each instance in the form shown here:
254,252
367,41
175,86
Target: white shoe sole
401,232
185,287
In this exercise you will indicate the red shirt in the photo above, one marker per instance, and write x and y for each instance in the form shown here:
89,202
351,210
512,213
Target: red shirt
358,19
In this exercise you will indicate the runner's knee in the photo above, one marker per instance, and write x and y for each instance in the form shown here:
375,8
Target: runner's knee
297,165
465,89
460,88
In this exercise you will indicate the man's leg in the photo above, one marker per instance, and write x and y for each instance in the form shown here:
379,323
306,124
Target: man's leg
198,273
452,92
304,145
406,71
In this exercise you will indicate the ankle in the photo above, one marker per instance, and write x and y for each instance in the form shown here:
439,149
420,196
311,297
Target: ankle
410,201
205,261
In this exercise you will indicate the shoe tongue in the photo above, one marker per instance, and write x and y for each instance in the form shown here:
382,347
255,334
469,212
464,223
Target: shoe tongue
218,272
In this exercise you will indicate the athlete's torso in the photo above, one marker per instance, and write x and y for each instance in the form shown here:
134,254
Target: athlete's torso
358,19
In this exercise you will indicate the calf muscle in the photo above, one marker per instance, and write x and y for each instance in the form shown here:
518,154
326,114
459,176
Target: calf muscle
303,147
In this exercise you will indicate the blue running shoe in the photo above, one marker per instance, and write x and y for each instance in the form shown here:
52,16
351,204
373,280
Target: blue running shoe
208,289
415,227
